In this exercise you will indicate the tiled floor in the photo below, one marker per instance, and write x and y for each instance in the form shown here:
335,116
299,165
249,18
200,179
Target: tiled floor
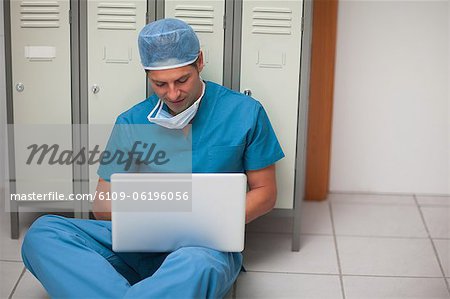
352,246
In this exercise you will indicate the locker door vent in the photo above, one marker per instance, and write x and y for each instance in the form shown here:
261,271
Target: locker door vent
272,20
39,14
200,18
116,16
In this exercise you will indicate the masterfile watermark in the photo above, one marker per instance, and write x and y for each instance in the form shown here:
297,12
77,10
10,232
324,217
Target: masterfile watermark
147,155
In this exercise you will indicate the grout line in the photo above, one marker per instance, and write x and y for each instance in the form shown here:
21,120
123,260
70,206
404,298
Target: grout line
364,202
341,280
382,237
432,195
372,193
291,273
428,205
17,283
440,238
10,261
433,245
343,275
345,235
393,276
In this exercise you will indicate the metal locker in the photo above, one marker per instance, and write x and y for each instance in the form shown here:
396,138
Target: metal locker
207,20
41,90
270,71
116,79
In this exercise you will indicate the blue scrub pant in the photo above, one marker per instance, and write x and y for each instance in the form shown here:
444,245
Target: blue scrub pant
72,258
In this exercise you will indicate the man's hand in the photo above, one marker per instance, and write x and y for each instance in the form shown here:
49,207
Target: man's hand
263,192
102,208
260,199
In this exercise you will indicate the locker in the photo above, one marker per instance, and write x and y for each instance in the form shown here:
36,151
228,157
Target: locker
270,71
116,79
207,20
41,90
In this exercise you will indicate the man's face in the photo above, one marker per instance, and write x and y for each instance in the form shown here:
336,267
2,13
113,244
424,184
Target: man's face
179,87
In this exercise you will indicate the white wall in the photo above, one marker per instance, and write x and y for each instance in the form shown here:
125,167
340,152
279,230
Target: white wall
391,103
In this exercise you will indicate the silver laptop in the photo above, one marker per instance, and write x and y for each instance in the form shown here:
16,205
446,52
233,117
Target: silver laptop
161,212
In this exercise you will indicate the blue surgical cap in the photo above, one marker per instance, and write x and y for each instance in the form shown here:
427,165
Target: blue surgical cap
167,44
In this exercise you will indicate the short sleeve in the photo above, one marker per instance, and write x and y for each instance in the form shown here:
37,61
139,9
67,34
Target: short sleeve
116,156
263,148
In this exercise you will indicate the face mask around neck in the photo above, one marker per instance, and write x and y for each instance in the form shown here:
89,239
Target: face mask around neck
179,121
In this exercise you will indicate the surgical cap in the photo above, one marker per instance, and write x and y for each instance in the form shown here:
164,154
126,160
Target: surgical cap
167,44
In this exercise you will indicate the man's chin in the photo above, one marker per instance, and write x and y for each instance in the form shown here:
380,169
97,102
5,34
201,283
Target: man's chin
176,110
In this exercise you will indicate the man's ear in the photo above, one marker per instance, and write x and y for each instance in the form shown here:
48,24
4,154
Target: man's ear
200,62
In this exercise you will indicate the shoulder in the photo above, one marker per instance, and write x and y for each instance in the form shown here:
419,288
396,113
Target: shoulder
228,99
138,113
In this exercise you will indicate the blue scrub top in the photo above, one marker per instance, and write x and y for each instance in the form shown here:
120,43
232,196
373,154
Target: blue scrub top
230,133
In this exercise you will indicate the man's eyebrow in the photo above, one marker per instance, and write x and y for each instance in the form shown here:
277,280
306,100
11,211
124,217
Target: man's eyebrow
157,81
179,78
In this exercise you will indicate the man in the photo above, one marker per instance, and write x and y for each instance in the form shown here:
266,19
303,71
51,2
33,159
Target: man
230,133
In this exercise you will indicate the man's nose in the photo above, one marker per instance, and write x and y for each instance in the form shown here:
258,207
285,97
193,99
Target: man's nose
173,93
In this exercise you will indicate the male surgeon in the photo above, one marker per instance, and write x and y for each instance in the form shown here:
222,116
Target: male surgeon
231,132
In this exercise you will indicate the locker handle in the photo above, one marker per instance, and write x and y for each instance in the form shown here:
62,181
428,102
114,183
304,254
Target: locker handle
95,89
248,92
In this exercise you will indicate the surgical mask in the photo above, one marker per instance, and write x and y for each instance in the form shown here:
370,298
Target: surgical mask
179,121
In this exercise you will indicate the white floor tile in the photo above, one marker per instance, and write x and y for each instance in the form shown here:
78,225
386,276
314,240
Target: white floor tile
378,220
433,200
9,248
314,219
9,274
443,249
277,285
437,220
29,287
394,288
371,199
387,256
272,252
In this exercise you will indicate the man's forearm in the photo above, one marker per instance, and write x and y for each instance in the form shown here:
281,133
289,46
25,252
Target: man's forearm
259,202
102,208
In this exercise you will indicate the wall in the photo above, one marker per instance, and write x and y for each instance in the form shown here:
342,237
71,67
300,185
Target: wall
391,103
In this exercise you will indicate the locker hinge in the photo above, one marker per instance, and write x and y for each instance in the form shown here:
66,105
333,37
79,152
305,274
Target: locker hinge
70,16
302,24
224,22
147,17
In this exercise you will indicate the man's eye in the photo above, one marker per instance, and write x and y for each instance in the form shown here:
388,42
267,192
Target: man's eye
159,84
183,80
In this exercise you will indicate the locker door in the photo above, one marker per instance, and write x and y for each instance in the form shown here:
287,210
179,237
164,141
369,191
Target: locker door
116,78
40,44
206,18
270,67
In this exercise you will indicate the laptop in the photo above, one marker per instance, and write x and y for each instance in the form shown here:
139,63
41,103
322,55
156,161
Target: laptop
162,212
